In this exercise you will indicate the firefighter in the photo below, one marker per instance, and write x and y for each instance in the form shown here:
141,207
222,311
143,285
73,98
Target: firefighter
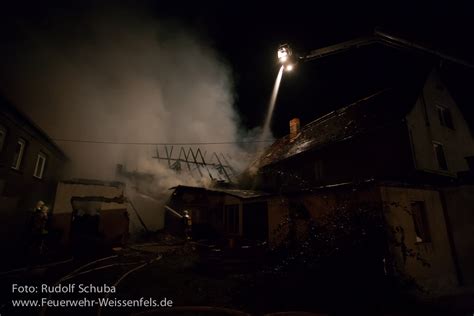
39,206
188,225
39,228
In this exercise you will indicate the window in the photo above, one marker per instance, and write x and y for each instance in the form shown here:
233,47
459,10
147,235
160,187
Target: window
219,216
444,115
39,168
420,220
19,151
3,134
231,218
440,157
318,170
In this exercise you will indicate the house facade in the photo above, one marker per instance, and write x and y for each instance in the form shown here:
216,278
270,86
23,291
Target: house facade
439,135
30,166
408,150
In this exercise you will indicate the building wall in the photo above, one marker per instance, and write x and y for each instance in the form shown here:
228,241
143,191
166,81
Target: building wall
21,182
66,190
277,212
62,212
425,127
323,202
19,189
460,213
440,276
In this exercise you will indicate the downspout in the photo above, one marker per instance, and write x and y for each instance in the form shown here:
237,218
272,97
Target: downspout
412,147
452,245
389,261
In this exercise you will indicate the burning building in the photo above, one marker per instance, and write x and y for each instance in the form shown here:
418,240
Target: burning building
406,149
225,213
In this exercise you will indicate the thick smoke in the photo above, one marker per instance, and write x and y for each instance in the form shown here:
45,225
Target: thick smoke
124,77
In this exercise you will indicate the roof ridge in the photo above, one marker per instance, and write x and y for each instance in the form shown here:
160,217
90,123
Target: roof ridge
8,106
343,109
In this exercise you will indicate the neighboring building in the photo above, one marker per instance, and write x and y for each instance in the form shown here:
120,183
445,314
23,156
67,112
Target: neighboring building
440,137
30,166
91,210
409,148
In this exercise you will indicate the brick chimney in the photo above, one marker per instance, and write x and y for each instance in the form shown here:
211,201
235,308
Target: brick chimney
294,127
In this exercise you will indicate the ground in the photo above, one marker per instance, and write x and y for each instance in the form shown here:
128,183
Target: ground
184,274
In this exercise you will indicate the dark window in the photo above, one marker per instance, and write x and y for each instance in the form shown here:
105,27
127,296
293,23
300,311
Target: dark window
231,218
19,152
440,157
420,220
219,216
445,118
299,210
318,170
255,221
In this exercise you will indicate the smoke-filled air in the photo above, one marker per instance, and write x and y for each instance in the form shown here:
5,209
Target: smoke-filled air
117,76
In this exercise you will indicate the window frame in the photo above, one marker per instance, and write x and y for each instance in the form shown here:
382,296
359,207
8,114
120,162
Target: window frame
420,222
16,164
441,166
445,116
43,166
3,131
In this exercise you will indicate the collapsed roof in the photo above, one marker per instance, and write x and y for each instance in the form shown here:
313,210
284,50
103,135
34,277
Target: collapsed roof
241,194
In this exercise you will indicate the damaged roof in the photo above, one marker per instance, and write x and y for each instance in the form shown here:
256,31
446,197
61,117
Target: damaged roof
377,110
242,194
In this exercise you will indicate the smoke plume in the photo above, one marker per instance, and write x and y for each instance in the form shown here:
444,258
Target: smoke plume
121,76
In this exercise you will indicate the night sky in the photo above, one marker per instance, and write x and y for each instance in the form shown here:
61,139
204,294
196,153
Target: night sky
246,35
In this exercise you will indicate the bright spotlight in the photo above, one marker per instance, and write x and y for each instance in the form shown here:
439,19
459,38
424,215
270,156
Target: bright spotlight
283,53
289,67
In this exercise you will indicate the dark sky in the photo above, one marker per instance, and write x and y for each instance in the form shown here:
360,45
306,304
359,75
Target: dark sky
247,34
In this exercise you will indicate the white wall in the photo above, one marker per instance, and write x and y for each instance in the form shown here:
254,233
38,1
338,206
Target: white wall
457,143
65,191
440,277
